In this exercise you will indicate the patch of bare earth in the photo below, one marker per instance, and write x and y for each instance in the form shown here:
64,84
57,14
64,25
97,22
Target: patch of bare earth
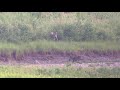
56,58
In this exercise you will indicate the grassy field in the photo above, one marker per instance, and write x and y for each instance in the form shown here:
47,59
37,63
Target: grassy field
44,45
57,72
26,33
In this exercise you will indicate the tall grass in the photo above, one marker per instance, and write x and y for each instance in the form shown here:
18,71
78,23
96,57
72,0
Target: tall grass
76,26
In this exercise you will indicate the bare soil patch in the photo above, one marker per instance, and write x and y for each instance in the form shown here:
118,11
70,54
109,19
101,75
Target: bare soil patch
86,58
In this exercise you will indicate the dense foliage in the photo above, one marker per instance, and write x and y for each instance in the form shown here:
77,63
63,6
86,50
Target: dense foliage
71,26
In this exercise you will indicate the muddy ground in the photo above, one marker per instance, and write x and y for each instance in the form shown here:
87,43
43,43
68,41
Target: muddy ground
80,58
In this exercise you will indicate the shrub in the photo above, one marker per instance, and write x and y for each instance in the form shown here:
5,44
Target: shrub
102,35
87,33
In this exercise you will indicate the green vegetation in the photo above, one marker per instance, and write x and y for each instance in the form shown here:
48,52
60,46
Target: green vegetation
45,45
57,72
76,30
23,32
72,26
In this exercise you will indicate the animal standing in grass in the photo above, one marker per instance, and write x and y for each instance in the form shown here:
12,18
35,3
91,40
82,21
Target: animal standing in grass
54,36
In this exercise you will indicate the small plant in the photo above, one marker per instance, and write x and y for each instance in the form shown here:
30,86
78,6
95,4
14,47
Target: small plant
68,64
41,71
57,71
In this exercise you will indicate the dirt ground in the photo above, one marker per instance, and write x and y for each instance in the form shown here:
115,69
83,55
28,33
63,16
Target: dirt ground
81,59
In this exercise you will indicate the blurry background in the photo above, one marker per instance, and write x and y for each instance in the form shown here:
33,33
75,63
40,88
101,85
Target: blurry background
71,26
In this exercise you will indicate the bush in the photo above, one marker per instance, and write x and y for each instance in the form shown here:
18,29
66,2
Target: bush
70,32
87,33
67,32
3,33
102,36
117,33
